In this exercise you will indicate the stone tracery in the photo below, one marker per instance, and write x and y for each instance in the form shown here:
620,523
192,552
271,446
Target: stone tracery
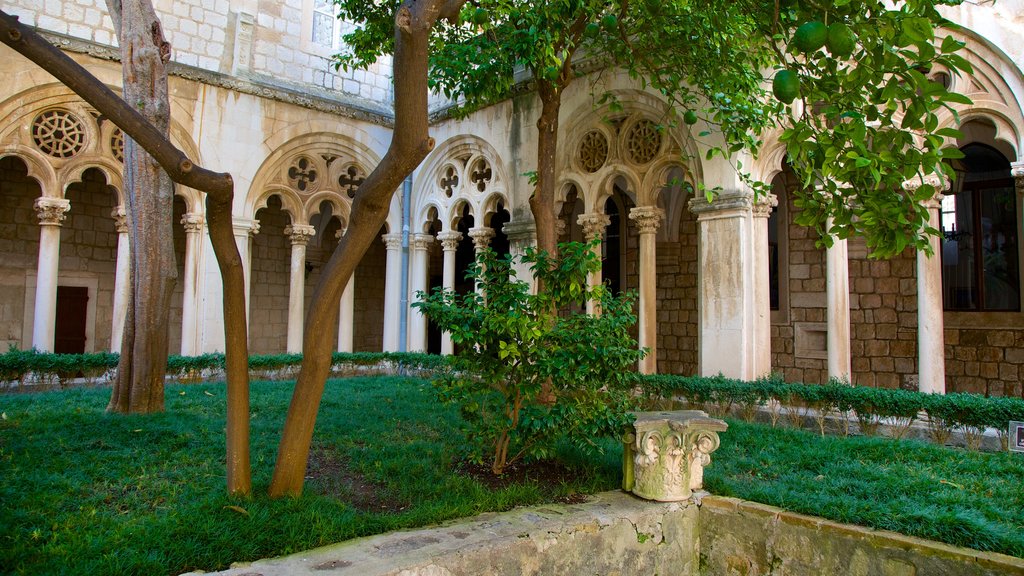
58,133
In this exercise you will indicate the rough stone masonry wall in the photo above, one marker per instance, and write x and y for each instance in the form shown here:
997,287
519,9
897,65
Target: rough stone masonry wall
268,287
985,361
368,328
19,248
677,300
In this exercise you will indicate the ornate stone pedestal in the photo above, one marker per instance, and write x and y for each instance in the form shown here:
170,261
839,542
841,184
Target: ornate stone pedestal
665,453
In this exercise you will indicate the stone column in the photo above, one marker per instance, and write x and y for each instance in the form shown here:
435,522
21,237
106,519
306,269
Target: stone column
193,224
299,235
837,297
122,279
449,244
245,230
419,261
761,211
648,219
931,362
594,225
51,212
346,312
731,316
392,291
520,235
481,239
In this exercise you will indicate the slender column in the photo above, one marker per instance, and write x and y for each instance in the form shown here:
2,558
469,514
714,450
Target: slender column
392,290
346,314
299,234
193,224
481,239
762,312
419,261
122,277
594,225
931,363
245,231
449,244
727,301
837,296
648,219
51,212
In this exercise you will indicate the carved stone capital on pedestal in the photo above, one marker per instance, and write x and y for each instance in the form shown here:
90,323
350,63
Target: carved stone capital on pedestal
392,241
1017,171
940,184
594,224
193,222
647,218
764,206
120,217
422,242
340,232
51,211
481,237
299,233
520,231
450,240
666,453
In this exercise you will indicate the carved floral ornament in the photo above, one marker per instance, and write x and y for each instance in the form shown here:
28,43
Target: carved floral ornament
667,453
117,145
643,141
593,151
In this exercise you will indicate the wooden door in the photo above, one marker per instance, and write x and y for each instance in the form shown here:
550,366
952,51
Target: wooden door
72,303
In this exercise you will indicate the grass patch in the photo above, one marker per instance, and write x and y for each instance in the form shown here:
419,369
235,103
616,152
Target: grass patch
955,496
84,492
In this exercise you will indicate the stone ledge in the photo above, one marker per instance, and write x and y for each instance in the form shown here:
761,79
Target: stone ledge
613,533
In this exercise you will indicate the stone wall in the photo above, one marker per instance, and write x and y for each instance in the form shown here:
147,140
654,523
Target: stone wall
206,34
368,326
19,248
268,286
986,361
677,300
748,539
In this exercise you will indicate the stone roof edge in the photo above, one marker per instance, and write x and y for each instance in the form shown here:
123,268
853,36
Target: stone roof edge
344,106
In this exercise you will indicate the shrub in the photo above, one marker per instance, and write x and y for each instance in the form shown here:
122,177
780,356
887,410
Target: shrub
526,374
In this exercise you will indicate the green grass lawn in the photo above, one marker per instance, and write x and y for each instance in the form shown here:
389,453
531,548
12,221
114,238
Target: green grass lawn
83,492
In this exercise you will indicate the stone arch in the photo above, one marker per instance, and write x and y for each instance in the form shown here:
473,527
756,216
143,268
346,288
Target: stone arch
290,203
463,157
38,168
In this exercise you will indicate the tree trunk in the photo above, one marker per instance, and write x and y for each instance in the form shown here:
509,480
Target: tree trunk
542,203
219,200
410,144
149,193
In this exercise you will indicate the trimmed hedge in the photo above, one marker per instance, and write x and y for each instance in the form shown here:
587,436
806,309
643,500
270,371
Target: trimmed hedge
969,413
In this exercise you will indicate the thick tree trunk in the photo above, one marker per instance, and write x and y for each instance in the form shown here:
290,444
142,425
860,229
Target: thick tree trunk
220,193
139,386
542,203
410,144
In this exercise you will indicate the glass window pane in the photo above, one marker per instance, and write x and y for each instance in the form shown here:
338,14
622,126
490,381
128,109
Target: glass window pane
323,29
959,289
999,249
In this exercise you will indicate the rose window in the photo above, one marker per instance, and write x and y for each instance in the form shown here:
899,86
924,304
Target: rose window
593,151
58,133
643,141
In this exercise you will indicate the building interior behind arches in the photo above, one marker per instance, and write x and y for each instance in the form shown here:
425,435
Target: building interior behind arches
256,95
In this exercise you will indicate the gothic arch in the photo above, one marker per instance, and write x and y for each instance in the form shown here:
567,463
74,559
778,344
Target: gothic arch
464,170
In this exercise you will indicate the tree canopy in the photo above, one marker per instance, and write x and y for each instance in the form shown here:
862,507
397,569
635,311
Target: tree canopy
851,87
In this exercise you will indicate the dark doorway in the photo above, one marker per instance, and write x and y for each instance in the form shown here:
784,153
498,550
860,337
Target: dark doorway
72,303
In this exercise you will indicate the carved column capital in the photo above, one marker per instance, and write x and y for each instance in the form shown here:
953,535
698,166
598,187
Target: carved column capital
299,233
729,203
422,242
193,222
940,183
481,237
763,207
51,211
1017,171
594,224
450,240
392,241
120,216
667,452
647,218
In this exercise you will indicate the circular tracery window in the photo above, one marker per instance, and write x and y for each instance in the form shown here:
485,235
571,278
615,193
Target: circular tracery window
643,141
117,145
593,151
58,133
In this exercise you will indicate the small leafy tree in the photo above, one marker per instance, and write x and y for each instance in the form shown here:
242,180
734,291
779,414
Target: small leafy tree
511,342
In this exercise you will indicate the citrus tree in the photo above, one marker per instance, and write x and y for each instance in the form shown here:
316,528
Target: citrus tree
847,82
513,346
